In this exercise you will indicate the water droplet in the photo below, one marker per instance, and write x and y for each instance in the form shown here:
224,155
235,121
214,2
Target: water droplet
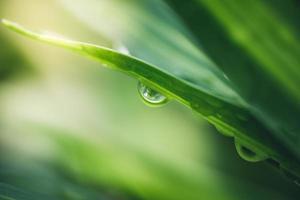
247,154
151,96
121,48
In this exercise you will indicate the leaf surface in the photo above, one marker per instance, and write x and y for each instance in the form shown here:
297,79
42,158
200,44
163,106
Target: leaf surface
256,43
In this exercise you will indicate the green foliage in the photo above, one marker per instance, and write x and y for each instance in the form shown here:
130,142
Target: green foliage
30,180
224,60
10,67
215,100
261,55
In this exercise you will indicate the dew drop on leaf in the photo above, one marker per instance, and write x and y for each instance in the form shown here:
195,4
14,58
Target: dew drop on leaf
121,48
151,96
247,154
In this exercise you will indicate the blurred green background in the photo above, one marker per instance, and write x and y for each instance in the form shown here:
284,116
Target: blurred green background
70,129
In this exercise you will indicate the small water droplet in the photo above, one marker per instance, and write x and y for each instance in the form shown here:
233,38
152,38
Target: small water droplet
121,48
151,96
247,154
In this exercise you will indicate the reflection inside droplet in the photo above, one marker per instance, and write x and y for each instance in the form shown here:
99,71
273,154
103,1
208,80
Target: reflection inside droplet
150,95
247,154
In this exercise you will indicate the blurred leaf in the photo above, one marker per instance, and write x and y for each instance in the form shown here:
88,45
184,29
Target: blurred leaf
257,45
150,177
8,192
12,61
25,179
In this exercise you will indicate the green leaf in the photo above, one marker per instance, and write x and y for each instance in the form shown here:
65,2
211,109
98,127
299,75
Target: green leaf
8,192
229,116
26,179
257,44
149,176
152,32
12,61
